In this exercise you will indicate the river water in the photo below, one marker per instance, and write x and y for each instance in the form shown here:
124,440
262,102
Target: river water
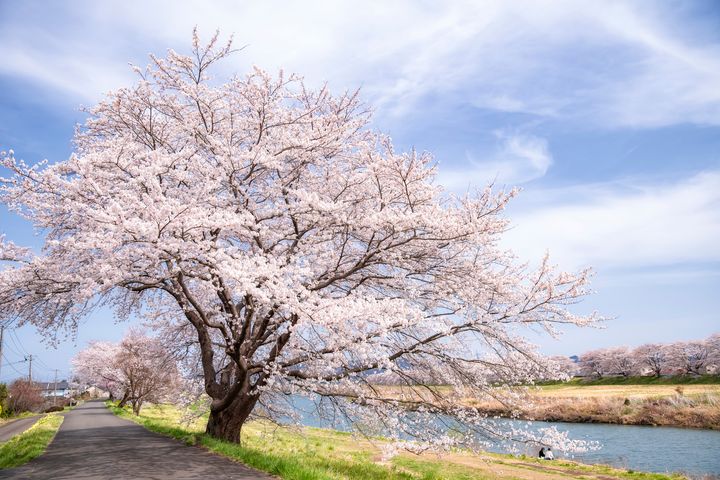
649,449
640,448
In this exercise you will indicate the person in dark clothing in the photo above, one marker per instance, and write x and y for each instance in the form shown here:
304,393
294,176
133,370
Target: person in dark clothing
542,453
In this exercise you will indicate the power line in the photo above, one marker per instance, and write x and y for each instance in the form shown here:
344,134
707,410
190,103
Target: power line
12,350
44,365
19,345
12,365
7,345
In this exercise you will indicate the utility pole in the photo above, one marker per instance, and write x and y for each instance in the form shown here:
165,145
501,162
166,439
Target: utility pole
29,359
2,335
55,390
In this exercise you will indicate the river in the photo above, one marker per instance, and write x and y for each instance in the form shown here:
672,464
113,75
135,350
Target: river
640,448
648,449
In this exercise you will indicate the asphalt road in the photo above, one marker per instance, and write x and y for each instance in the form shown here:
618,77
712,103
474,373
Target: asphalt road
16,427
92,443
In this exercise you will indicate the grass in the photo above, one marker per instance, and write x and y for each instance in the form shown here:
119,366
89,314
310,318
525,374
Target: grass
24,447
690,406
625,391
678,405
644,380
320,454
4,420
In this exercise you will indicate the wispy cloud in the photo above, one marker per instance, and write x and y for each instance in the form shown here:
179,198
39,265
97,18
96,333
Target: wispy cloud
518,158
623,225
605,64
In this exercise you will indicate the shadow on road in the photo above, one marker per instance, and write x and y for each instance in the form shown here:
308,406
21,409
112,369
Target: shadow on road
95,444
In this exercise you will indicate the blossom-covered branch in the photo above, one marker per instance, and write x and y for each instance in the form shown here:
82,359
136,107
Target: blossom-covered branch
298,247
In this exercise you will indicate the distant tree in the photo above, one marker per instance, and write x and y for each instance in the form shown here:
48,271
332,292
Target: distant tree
96,365
148,370
653,356
562,367
689,358
24,396
619,361
135,370
299,247
713,349
593,363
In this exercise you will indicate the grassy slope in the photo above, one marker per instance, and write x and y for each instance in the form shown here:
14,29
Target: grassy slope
671,380
31,443
625,391
684,405
4,420
318,454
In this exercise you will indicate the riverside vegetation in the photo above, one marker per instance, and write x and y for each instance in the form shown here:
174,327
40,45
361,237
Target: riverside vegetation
689,405
695,403
320,454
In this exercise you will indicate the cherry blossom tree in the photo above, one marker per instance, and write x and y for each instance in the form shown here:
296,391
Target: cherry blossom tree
652,356
300,250
619,361
137,369
96,365
148,369
713,347
594,363
689,357
564,368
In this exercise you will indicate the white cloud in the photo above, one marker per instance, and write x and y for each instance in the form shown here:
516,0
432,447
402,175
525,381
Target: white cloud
595,63
518,158
630,225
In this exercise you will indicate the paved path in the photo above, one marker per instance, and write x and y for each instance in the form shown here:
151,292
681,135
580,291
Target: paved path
15,427
95,444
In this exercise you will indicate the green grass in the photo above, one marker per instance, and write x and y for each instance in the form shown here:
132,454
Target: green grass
605,471
671,380
12,417
31,443
320,454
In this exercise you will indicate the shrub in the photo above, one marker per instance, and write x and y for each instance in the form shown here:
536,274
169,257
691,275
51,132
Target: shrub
24,396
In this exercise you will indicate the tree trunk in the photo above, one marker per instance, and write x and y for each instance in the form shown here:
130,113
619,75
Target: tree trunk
125,398
136,406
226,424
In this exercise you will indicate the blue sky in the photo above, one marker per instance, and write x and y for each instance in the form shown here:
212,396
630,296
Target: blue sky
606,114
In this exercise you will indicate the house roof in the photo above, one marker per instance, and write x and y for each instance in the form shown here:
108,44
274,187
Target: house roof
61,385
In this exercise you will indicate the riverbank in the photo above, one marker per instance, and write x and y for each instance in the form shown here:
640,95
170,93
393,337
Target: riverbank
661,404
687,406
313,453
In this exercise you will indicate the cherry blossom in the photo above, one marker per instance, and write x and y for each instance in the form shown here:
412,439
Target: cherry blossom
136,370
293,246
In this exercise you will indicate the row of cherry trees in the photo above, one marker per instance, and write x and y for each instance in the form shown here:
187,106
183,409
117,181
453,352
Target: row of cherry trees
137,369
678,358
